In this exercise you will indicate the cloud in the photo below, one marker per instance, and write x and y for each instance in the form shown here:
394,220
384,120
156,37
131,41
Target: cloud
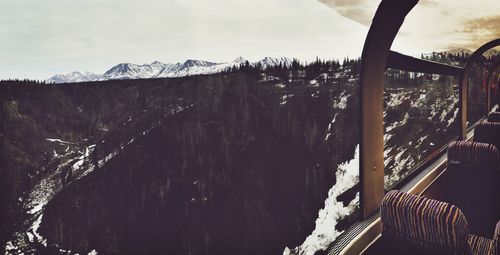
433,25
479,31
361,11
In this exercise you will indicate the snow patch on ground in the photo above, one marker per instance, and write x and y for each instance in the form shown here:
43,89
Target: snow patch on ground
325,233
341,103
450,107
387,137
57,140
398,123
421,140
451,120
34,229
435,109
397,99
285,99
401,163
330,127
420,102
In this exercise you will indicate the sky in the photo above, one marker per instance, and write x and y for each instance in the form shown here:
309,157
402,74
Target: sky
434,25
41,38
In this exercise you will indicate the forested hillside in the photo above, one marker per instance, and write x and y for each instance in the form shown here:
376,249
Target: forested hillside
251,160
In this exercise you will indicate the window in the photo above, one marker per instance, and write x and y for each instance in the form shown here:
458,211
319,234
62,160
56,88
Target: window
420,116
477,92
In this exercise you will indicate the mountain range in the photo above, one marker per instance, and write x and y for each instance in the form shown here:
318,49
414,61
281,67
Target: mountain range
163,70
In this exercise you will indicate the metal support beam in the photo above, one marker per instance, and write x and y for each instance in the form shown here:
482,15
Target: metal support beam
462,105
407,63
386,23
488,95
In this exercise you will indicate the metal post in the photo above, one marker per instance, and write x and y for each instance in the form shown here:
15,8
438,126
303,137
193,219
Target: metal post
386,23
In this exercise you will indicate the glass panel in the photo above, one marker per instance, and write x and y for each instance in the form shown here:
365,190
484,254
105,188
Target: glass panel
420,116
493,57
477,89
494,79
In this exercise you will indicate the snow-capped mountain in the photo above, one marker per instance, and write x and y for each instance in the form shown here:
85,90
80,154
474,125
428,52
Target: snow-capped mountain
74,77
239,60
269,62
133,71
192,67
164,70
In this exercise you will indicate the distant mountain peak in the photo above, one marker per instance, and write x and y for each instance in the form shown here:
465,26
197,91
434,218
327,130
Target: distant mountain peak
239,60
194,63
75,76
274,61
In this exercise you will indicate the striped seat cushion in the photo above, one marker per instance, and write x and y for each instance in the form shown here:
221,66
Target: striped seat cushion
425,223
496,238
473,153
481,245
471,182
488,132
494,117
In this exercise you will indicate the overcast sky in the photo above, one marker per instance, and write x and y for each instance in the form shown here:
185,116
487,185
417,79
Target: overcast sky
42,38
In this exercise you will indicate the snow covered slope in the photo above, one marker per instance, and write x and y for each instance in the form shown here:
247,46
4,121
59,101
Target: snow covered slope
74,77
270,62
133,71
